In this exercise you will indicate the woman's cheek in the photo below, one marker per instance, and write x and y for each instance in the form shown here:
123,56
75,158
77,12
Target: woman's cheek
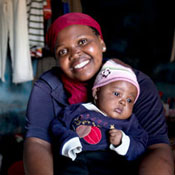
91,49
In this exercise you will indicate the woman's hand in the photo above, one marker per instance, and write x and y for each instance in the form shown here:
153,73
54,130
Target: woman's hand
115,137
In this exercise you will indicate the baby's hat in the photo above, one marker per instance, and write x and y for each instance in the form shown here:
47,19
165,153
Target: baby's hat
112,71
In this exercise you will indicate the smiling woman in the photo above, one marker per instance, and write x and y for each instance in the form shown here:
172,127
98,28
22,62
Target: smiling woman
77,46
79,52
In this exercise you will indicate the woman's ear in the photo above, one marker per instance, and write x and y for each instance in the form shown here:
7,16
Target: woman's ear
104,49
103,45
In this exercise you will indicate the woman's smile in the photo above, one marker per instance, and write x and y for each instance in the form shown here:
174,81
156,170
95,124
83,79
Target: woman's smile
80,64
79,52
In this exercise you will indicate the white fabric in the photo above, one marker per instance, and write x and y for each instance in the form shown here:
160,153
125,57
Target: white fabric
71,148
36,22
13,26
123,148
92,107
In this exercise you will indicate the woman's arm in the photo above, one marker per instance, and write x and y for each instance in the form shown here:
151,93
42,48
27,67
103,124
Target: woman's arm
157,161
65,139
37,157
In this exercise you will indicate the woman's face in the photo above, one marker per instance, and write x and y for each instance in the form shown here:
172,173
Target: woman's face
79,52
116,99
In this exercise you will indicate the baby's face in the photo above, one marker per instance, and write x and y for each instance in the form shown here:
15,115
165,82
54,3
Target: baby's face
117,99
79,52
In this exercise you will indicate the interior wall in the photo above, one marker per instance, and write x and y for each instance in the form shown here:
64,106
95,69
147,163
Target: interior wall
140,32
13,102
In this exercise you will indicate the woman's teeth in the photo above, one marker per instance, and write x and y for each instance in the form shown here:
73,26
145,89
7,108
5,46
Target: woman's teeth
82,64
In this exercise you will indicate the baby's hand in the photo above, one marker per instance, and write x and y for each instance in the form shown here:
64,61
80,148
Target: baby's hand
115,137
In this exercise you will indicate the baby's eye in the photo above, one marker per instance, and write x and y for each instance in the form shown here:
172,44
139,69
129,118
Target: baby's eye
129,100
116,94
62,52
82,42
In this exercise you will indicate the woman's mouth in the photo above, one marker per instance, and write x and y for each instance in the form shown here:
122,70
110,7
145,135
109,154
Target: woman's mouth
81,64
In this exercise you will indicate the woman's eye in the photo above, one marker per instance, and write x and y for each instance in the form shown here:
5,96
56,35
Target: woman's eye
62,52
116,93
82,42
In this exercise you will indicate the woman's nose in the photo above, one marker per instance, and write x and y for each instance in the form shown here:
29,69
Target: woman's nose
75,53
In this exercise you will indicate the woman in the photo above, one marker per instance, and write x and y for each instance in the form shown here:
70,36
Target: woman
77,41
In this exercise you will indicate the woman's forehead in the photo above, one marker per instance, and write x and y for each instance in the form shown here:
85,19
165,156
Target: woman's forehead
76,28
74,32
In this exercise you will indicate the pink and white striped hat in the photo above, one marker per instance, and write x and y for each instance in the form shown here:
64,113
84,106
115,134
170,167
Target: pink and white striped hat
112,71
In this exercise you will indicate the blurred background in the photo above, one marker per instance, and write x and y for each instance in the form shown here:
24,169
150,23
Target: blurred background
139,32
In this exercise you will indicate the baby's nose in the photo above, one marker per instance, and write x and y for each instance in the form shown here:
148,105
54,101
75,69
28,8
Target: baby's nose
122,101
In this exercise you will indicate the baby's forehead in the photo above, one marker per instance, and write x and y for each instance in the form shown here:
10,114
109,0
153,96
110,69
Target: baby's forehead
122,86
121,83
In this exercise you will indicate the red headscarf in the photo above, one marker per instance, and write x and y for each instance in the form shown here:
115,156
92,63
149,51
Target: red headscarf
66,20
77,90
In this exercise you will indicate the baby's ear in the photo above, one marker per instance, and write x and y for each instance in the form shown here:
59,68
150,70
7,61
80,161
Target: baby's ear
95,94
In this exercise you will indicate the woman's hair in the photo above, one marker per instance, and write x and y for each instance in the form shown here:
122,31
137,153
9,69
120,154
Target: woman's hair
95,31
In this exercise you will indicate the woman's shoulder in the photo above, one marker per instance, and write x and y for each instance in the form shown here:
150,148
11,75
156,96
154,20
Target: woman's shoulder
51,77
144,80
54,71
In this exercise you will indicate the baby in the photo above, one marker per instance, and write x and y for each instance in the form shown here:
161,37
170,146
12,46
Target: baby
109,122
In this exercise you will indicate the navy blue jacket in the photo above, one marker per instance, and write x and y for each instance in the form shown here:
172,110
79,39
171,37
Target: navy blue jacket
48,98
77,114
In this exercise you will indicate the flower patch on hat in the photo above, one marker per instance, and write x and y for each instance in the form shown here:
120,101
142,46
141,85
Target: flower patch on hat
105,72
